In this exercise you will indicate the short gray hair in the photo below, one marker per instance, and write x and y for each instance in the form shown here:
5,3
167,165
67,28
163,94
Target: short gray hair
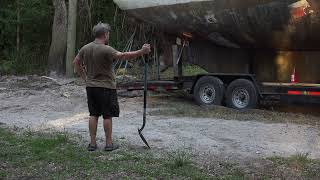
100,29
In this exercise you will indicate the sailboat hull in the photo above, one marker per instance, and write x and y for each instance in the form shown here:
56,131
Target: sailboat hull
267,24
268,38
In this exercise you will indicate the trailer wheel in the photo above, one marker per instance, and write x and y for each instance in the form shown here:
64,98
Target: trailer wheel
241,94
208,91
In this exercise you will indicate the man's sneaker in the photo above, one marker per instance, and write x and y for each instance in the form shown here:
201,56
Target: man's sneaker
92,148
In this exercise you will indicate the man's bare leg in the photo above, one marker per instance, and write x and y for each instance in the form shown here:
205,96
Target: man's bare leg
93,124
107,124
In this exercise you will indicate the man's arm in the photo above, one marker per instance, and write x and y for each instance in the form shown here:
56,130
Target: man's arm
79,68
134,54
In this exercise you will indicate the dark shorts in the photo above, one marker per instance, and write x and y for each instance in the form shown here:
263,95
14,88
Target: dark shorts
103,102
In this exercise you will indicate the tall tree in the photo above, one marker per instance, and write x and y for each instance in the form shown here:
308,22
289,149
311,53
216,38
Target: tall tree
59,38
84,23
72,35
18,26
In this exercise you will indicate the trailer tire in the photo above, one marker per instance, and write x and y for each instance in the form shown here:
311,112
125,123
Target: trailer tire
208,91
241,94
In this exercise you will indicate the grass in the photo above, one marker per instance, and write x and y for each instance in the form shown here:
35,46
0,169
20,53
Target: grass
55,156
300,165
181,104
179,159
32,155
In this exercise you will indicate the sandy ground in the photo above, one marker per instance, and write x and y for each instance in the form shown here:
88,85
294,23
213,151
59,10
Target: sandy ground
38,103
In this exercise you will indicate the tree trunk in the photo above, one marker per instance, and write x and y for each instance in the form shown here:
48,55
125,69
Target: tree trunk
84,23
72,36
59,39
18,27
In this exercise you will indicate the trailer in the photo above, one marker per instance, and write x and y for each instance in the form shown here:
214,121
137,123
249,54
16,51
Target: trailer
252,50
238,91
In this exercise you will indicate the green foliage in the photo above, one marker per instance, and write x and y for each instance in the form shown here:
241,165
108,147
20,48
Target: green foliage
8,67
106,11
28,61
36,28
35,33
8,27
3,174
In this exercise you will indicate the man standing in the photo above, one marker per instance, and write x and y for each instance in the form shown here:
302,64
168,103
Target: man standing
94,65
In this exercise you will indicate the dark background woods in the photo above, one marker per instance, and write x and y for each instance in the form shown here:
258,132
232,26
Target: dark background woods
27,26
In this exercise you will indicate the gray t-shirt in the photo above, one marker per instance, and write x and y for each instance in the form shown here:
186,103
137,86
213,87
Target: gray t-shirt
98,60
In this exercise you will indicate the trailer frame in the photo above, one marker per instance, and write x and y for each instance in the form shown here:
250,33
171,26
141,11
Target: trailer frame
263,89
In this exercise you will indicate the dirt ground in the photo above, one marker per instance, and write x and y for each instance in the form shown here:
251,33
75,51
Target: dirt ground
40,103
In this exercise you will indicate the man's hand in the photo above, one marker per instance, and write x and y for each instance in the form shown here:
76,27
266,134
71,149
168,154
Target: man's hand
146,49
79,68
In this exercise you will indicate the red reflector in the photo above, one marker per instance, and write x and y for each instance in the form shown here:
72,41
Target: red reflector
314,93
294,92
307,93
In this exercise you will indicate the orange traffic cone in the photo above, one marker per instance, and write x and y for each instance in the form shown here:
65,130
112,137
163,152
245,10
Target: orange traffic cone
294,76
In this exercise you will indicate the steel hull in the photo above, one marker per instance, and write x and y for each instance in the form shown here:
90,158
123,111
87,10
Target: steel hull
259,24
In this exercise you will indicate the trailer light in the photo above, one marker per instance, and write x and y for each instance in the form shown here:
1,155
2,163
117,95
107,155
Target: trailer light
305,93
294,93
314,93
